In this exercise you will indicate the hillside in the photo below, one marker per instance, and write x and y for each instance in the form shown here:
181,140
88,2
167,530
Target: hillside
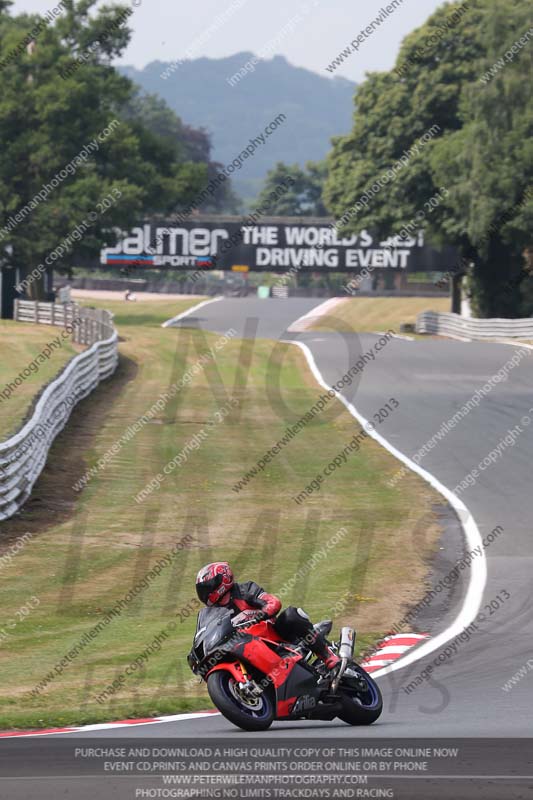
316,108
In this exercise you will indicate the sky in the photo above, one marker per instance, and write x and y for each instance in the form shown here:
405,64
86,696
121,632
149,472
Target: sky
309,33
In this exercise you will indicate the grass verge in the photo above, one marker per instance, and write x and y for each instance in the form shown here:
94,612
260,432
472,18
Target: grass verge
89,549
369,314
21,345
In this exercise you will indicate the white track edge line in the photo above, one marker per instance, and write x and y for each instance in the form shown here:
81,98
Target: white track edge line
478,575
473,537
514,343
170,322
402,336
326,305
104,726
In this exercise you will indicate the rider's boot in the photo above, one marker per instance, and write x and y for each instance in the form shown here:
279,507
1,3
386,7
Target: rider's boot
331,661
321,649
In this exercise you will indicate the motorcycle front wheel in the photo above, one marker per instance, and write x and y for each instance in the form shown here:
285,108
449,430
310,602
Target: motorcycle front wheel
361,699
250,715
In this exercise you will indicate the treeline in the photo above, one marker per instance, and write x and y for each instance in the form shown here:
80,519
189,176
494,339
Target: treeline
81,147
466,75
468,70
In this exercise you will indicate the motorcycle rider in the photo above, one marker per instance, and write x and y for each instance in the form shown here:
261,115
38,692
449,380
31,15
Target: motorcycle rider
216,586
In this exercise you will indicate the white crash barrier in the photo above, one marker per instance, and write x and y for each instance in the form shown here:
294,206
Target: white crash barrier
444,324
23,456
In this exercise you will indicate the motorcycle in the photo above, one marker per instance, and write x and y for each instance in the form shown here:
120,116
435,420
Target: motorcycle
254,677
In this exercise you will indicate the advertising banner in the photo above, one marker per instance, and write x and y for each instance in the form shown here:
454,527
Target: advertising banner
275,245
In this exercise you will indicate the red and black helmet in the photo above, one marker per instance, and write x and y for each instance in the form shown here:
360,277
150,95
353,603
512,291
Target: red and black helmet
213,582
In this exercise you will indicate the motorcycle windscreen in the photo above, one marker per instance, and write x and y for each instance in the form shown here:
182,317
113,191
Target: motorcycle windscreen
213,628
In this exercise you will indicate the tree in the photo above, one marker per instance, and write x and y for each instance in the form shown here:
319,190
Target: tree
305,196
163,129
47,123
489,164
478,154
169,168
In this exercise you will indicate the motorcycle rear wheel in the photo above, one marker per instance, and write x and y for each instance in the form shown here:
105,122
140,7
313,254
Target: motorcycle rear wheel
361,709
223,691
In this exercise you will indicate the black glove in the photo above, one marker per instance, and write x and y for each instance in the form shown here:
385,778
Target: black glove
248,617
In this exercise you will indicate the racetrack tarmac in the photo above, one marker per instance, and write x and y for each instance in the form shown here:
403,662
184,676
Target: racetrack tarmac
431,379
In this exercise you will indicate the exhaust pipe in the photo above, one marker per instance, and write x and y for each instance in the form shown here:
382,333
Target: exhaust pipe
346,650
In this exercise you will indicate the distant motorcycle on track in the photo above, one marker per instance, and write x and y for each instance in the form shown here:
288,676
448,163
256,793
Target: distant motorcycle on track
254,677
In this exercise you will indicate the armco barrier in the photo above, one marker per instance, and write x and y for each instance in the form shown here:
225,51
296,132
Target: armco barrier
88,325
444,324
23,456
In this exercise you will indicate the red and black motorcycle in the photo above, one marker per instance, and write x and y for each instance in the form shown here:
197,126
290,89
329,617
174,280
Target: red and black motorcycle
254,677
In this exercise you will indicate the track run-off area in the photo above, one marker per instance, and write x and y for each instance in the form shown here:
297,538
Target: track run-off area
456,684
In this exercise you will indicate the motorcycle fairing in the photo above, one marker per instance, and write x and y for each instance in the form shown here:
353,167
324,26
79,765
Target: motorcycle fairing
299,682
231,666
291,680
261,646
259,654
